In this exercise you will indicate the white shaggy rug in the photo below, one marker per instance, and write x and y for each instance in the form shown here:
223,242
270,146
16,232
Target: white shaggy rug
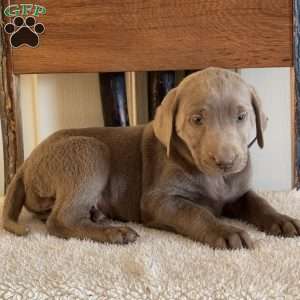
159,265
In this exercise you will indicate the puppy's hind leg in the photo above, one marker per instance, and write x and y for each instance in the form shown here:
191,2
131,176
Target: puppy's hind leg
84,175
40,207
71,219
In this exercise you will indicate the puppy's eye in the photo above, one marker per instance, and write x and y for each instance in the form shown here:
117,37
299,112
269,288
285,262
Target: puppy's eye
242,116
197,119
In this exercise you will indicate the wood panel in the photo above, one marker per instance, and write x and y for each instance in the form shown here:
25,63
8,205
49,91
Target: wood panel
132,35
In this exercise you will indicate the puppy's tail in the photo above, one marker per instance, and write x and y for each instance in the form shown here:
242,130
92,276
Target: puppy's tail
14,201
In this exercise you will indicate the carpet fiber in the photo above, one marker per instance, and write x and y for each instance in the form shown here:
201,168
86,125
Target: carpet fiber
159,265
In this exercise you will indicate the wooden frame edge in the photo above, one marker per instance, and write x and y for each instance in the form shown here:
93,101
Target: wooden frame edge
293,128
10,112
297,90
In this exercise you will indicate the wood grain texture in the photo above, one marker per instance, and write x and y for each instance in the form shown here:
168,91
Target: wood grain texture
133,35
11,121
293,126
297,88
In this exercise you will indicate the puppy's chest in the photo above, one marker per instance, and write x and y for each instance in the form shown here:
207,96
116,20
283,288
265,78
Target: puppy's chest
217,190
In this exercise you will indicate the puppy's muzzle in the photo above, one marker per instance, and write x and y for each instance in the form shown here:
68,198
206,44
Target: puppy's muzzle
223,163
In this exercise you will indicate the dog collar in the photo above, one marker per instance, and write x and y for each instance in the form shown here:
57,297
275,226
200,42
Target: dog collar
252,142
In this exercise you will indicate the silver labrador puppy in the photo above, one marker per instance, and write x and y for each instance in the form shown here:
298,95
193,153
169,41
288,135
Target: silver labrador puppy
180,172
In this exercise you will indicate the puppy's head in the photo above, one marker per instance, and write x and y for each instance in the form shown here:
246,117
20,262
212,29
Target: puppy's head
216,115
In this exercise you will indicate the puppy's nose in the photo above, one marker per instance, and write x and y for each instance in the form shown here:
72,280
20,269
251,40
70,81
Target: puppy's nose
223,164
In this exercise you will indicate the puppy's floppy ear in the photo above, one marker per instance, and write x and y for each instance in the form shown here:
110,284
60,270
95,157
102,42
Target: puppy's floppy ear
163,123
260,118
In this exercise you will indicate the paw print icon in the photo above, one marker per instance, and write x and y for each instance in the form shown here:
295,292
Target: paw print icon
24,32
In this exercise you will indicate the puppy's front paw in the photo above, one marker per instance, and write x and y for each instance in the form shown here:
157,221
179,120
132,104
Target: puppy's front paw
228,237
280,225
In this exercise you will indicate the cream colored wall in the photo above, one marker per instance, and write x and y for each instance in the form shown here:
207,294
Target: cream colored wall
52,102
273,165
